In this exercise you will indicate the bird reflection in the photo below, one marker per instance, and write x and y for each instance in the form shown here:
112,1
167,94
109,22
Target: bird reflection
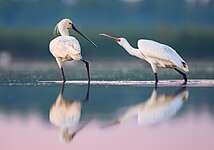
66,115
156,109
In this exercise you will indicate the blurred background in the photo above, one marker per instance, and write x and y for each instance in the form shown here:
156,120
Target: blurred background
187,25
26,27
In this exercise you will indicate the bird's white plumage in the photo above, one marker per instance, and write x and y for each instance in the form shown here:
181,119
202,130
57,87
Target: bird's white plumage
156,54
160,55
65,47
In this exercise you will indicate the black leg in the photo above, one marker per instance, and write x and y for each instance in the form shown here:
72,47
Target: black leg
63,75
87,67
183,74
156,79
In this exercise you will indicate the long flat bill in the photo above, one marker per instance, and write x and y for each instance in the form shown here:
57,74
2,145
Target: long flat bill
111,37
106,35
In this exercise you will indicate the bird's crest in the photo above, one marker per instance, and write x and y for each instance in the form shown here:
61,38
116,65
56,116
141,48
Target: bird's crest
56,30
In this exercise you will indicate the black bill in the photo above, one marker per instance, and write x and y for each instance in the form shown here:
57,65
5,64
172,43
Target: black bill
75,29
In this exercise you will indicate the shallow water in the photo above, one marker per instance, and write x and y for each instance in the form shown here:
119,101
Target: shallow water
44,115
33,71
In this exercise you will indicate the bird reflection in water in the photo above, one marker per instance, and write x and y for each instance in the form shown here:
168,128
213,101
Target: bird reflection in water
156,109
66,115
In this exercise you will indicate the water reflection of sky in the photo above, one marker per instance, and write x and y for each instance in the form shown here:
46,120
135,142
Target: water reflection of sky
184,117
189,132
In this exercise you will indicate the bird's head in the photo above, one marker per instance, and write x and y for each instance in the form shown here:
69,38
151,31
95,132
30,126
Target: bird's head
65,24
120,41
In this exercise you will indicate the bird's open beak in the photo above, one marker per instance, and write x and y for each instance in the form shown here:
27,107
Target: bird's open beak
111,37
75,29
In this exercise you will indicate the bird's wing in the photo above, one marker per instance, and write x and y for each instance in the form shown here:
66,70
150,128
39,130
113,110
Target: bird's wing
65,45
159,52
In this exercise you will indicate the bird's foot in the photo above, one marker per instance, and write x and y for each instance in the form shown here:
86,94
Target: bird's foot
156,82
184,83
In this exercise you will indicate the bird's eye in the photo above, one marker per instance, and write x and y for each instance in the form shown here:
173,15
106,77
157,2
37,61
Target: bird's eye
70,23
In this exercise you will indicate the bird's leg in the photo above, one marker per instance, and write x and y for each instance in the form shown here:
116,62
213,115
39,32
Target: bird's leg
87,67
63,75
156,79
183,74
154,69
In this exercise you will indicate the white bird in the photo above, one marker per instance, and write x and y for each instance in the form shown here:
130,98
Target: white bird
156,108
67,48
157,54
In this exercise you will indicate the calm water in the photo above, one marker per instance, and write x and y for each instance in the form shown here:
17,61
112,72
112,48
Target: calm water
35,115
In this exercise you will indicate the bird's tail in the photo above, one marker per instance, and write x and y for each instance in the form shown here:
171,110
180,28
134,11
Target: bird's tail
185,67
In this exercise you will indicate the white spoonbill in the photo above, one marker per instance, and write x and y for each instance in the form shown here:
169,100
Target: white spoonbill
67,48
157,54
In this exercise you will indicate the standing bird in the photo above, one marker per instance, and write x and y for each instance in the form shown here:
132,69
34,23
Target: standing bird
67,48
157,54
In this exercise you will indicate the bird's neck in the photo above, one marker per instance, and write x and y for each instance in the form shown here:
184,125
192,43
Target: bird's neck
63,30
131,50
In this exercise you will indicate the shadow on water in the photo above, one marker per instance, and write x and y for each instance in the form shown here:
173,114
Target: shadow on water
65,115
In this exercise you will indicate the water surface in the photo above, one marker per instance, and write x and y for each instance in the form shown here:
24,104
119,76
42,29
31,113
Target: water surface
37,115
